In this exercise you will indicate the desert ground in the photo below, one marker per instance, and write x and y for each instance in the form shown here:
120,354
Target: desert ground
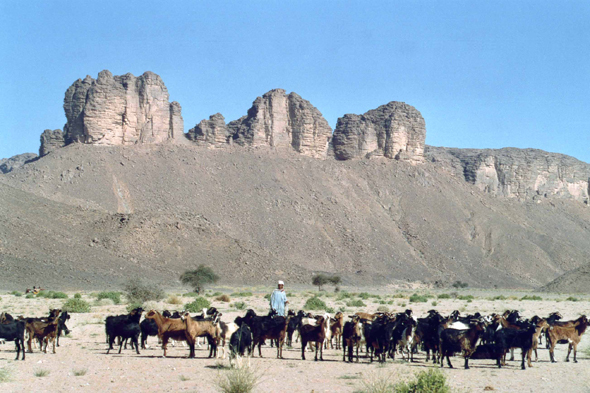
81,362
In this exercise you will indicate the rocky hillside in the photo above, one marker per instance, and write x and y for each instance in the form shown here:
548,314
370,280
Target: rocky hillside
574,281
102,212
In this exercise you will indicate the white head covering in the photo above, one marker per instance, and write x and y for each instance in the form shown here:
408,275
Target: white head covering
281,283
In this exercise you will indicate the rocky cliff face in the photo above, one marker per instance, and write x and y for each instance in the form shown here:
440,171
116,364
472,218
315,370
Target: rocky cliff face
212,132
51,140
14,162
121,110
517,173
395,130
283,121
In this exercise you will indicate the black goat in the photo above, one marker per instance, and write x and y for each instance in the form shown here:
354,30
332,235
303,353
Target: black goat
269,326
61,325
507,339
453,341
240,342
114,320
126,328
14,331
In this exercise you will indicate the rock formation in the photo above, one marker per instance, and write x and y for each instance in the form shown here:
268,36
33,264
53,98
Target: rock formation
517,173
121,110
280,120
212,132
395,130
14,162
51,140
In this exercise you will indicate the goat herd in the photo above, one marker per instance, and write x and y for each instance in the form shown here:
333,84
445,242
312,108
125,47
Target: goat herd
381,334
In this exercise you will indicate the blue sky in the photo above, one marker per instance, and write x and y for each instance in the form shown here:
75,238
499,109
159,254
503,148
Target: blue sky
483,74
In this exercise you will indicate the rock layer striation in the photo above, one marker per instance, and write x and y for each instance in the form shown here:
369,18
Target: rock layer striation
121,110
283,120
395,130
212,132
51,140
517,173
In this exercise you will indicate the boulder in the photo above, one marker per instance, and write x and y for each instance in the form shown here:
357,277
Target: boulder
283,121
121,110
395,130
50,141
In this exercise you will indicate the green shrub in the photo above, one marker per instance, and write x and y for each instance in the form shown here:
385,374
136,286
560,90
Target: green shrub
191,294
356,303
114,296
138,292
364,295
314,303
243,294
572,299
431,381
238,380
29,296
434,303
77,296
343,295
465,297
399,296
499,297
531,297
239,305
342,309
444,296
415,298
41,373
459,284
5,375
382,309
133,306
16,293
76,306
197,305
330,310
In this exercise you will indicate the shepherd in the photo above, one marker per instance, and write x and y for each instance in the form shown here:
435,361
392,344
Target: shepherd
278,300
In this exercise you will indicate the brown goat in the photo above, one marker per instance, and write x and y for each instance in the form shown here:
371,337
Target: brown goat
317,334
336,329
570,334
42,331
196,329
168,328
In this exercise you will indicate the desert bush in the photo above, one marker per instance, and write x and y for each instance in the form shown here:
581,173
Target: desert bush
197,305
531,297
342,309
243,294
78,372
343,295
572,299
364,295
238,380
114,296
444,296
434,303
41,372
133,306
29,296
459,284
356,303
465,297
375,383
173,299
431,381
138,292
76,306
52,295
191,294
5,375
199,277
223,298
499,297
239,305
382,309
415,298
103,302
16,293
314,303
77,296
399,296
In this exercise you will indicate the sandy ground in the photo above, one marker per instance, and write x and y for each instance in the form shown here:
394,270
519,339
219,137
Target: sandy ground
84,352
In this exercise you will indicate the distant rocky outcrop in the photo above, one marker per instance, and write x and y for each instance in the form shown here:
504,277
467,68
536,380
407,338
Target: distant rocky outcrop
14,162
283,120
121,110
212,132
51,140
517,173
395,130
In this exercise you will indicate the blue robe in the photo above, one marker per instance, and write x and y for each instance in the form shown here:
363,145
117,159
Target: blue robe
277,301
